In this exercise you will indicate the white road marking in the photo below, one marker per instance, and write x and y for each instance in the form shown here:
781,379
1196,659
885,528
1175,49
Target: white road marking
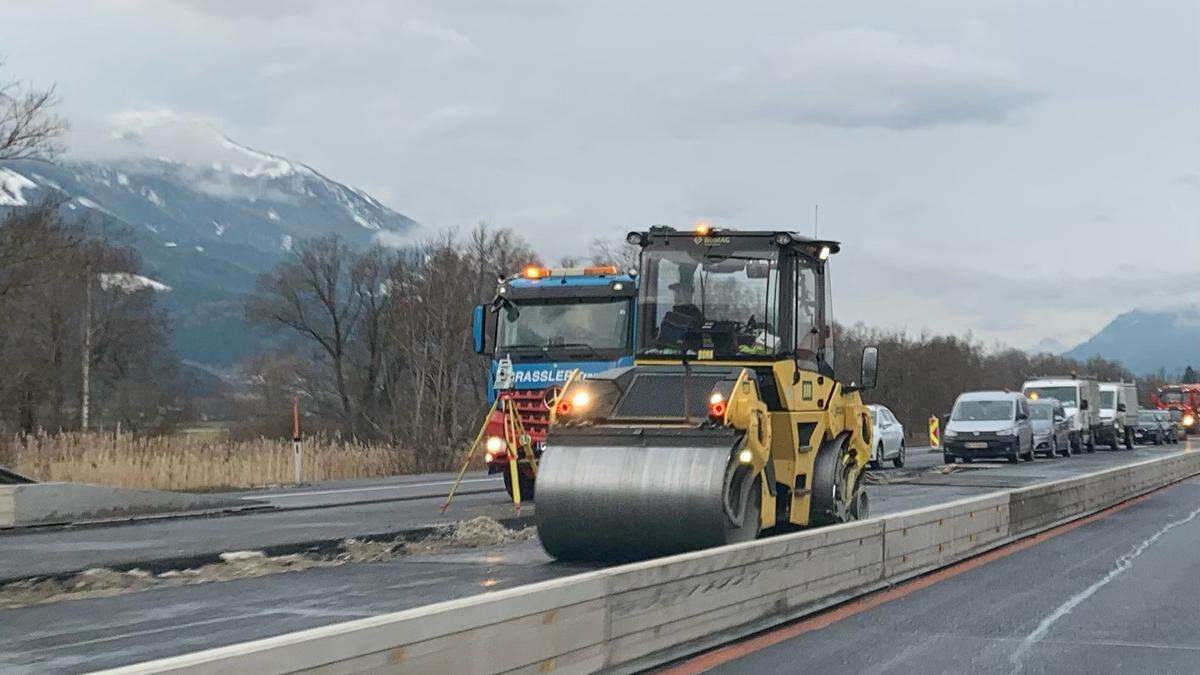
366,489
1125,562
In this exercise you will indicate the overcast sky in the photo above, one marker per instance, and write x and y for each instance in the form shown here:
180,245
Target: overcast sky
1023,170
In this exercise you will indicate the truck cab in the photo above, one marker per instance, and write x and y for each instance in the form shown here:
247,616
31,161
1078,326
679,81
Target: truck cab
1080,398
1183,399
543,325
1118,414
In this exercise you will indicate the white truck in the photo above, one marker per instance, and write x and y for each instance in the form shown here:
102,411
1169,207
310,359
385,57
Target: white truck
1080,398
1118,414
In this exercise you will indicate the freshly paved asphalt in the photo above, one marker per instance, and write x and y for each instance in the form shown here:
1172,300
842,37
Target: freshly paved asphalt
102,632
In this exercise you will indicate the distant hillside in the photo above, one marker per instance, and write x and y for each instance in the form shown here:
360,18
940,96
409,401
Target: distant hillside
1146,342
207,224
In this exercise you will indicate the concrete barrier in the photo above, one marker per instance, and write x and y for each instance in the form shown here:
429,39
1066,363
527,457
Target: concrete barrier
634,616
56,503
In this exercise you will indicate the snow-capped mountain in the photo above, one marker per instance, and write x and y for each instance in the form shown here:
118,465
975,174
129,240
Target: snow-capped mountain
207,216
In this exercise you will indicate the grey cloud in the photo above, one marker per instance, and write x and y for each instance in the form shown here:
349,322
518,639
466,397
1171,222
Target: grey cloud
868,78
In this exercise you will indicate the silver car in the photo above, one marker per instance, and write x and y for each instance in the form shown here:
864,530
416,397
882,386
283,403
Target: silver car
889,437
1051,428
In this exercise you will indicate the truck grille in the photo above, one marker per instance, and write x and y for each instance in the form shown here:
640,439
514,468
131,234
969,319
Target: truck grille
531,410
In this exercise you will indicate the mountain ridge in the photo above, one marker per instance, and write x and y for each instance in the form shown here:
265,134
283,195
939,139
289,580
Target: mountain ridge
206,221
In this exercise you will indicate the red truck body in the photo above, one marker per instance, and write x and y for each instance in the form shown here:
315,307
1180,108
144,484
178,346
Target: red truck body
1182,397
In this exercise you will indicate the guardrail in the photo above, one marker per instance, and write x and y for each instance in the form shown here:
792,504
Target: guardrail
634,616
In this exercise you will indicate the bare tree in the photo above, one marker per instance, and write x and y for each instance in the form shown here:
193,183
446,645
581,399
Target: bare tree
319,296
29,128
614,252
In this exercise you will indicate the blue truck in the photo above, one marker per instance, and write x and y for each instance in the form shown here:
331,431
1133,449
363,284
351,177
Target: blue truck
543,325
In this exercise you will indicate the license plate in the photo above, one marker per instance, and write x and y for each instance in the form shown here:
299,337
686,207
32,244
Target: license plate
977,445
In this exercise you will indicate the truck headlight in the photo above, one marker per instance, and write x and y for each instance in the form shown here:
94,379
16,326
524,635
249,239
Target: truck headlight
1188,420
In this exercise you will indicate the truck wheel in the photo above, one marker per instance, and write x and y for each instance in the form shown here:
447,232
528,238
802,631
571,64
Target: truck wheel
1067,450
1114,443
1091,442
526,484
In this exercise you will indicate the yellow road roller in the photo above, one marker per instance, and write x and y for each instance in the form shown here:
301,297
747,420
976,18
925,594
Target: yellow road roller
729,424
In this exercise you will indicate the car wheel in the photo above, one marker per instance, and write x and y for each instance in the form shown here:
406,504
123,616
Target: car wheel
898,462
1091,442
947,459
1128,438
1032,454
1067,450
1014,456
877,458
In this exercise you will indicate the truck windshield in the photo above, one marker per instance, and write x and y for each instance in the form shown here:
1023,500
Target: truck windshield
701,302
1041,412
1107,399
601,324
983,411
1065,395
1171,396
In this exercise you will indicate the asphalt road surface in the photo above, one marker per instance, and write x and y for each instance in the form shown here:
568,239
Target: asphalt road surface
104,632
1118,594
329,511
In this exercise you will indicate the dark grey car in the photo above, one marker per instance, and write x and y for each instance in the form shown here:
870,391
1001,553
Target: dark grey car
1051,428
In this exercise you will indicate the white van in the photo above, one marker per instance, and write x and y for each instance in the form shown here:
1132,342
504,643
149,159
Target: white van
1080,398
1118,413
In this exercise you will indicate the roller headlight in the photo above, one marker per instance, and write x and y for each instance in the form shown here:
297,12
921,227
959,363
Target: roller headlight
581,399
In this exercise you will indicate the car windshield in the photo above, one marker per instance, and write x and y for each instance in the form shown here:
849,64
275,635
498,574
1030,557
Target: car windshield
1147,416
1041,412
1065,395
983,411
601,324
705,302
1107,399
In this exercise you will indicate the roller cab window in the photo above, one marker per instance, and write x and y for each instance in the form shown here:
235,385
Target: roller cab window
703,301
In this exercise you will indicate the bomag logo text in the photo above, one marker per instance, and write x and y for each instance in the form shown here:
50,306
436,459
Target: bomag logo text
711,241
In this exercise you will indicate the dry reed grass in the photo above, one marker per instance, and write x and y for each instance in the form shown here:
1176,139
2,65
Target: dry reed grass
191,462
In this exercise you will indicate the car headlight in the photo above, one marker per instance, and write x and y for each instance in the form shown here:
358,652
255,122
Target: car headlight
950,433
1007,432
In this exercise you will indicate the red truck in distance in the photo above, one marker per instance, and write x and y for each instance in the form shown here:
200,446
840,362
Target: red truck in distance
1182,397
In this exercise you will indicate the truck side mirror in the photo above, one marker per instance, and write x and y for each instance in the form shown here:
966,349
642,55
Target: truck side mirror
1021,417
870,368
477,321
1083,405
1121,407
